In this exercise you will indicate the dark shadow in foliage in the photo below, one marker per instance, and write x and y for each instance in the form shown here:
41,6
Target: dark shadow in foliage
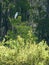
43,30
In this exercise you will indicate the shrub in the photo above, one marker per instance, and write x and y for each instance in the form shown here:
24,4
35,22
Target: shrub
23,53
18,28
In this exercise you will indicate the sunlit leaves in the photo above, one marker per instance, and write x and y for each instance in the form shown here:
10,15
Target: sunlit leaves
20,52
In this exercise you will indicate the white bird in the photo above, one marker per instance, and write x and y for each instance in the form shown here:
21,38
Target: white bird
16,14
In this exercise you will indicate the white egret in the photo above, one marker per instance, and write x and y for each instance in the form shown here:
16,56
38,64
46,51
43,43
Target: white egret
16,14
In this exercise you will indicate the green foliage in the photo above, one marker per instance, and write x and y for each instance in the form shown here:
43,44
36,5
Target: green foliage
20,28
19,47
20,53
8,8
23,30
15,22
39,14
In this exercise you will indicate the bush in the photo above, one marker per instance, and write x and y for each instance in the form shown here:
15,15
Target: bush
18,52
18,28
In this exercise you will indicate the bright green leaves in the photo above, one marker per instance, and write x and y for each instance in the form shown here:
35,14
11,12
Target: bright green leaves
19,52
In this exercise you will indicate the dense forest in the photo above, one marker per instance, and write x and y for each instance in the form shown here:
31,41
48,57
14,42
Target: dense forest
24,32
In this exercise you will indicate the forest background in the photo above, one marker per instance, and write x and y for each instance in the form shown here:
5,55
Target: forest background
24,39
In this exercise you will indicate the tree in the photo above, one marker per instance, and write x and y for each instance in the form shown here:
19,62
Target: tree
8,9
40,10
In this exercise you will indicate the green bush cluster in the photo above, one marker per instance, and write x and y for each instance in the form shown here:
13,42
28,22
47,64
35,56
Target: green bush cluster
19,28
20,52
